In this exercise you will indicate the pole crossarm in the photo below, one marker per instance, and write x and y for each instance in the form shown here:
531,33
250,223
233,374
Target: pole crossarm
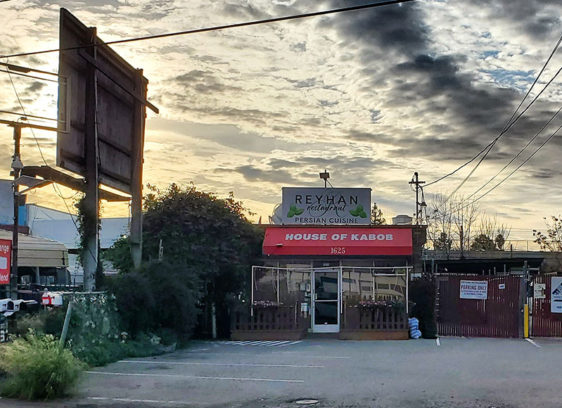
75,183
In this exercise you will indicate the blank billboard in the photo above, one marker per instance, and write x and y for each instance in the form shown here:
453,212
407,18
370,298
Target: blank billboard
120,105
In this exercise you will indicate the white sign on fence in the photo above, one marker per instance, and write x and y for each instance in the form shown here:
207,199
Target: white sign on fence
538,291
556,295
474,290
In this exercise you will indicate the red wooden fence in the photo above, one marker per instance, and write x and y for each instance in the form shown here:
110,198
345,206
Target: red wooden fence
271,318
544,323
497,316
387,318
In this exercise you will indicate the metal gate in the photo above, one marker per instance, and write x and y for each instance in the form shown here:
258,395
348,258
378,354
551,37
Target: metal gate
496,316
543,322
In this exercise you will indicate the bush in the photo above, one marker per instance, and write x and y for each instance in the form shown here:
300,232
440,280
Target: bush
134,301
422,293
48,321
160,298
38,368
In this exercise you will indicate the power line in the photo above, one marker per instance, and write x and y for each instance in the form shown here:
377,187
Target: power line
55,188
518,167
217,28
518,154
509,122
503,133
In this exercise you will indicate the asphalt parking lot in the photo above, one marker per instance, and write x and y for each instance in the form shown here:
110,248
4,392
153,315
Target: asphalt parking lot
451,372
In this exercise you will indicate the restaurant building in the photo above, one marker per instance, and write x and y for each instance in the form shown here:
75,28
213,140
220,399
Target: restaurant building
327,269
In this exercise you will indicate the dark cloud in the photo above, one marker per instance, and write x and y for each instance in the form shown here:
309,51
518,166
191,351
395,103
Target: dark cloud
389,28
35,86
298,47
464,114
252,173
532,15
203,82
244,12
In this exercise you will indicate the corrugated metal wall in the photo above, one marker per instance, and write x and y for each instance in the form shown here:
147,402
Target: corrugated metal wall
545,323
497,316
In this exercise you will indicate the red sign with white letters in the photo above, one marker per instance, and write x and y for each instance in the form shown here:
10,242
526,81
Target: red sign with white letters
5,261
337,241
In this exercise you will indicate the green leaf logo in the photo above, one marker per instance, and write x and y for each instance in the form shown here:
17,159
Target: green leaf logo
294,210
358,212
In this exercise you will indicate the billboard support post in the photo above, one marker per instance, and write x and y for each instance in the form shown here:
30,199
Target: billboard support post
136,179
16,168
91,198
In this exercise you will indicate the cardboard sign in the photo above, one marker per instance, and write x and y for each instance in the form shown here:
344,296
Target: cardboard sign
5,261
556,295
474,290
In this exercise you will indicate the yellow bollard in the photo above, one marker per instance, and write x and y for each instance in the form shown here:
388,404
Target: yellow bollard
526,321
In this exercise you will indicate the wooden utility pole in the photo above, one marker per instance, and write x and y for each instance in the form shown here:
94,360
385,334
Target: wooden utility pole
415,180
16,169
91,198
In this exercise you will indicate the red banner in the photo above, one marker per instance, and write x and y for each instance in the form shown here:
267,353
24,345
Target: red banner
5,261
337,241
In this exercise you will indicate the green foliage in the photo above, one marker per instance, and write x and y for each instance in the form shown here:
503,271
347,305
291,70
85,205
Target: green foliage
551,240
499,241
48,321
422,293
120,255
160,296
443,243
134,300
483,243
87,226
38,368
198,229
377,217
207,239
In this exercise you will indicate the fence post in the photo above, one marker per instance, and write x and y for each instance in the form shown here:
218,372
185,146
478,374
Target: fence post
66,323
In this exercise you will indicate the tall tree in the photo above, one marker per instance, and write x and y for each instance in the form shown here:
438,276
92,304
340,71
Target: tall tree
377,217
551,241
206,235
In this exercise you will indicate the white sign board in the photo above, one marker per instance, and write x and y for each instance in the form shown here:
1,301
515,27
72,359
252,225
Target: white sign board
326,206
474,290
538,290
556,295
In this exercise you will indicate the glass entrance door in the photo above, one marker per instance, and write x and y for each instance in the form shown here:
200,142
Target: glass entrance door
326,301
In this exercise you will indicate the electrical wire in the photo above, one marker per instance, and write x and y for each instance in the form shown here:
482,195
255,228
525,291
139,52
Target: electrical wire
517,168
510,122
55,188
217,28
503,133
517,155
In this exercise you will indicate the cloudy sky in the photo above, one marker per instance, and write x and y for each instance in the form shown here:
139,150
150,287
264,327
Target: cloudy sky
372,96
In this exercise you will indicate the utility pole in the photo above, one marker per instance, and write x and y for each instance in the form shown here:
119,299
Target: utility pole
325,176
91,203
415,180
461,236
17,166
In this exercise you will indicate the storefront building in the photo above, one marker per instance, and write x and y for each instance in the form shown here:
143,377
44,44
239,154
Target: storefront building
326,269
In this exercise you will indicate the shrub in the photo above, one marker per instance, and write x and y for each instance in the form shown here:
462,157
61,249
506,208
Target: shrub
422,293
48,321
38,368
160,298
134,300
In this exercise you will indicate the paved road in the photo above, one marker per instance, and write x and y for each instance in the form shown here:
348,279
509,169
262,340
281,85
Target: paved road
456,372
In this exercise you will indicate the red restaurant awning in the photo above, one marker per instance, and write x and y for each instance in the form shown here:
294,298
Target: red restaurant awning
337,241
